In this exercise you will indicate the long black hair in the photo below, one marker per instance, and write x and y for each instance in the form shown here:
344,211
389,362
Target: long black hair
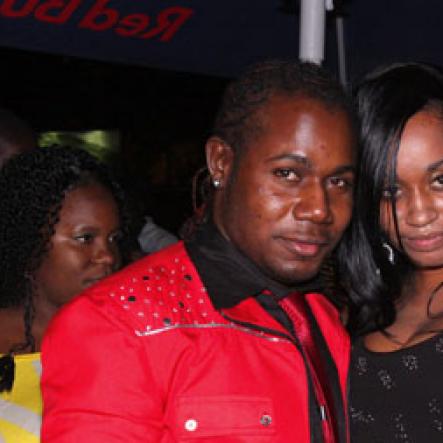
386,99
33,186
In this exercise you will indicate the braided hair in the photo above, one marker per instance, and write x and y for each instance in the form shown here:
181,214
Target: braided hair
33,186
238,124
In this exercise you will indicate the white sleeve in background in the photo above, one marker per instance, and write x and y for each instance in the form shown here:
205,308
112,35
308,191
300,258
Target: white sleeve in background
152,237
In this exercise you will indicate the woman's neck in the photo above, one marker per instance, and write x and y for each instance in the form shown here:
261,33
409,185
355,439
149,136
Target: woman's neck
43,314
12,325
419,313
420,287
12,329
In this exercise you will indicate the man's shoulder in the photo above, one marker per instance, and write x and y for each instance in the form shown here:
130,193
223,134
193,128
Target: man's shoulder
157,291
170,266
171,259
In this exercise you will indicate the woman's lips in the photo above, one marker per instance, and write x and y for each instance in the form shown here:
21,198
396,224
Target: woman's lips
426,243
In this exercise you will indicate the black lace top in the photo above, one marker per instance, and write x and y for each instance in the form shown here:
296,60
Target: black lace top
397,396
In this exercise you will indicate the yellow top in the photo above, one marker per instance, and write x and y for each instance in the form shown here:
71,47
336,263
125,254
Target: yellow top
21,409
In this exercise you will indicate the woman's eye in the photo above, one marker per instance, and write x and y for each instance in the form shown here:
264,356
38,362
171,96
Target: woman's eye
390,193
287,174
115,237
84,238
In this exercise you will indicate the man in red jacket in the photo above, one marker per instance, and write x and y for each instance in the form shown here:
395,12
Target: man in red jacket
219,338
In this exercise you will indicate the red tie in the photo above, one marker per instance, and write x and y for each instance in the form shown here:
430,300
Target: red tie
295,307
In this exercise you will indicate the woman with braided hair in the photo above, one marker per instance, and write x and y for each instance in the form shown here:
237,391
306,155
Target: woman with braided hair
63,227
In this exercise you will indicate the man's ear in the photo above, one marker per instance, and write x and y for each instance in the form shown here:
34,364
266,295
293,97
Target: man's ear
219,159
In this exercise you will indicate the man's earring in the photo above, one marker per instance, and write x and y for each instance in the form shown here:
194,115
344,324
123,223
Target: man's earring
390,252
216,183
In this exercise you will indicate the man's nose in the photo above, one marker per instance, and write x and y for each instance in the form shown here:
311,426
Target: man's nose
313,204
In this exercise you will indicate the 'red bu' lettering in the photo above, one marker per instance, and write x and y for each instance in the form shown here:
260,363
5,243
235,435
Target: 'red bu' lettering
100,17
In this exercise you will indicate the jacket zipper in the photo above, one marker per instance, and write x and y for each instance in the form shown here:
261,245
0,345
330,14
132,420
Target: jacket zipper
292,339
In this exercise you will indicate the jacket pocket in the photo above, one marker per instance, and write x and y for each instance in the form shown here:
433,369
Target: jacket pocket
236,417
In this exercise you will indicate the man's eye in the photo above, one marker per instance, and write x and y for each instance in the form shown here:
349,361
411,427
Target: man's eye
340,182
438,181
287,174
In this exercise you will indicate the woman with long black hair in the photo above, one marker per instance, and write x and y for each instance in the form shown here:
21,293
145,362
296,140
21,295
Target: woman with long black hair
394,256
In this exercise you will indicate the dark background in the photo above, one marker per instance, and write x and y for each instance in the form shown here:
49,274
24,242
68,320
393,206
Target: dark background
162,96
163,118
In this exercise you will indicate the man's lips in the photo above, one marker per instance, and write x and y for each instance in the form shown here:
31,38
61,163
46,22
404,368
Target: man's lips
304,246
424,243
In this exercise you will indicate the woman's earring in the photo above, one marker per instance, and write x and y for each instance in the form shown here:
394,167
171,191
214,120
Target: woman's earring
216,183
390,252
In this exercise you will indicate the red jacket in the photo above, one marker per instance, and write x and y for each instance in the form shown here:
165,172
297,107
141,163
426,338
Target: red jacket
144,357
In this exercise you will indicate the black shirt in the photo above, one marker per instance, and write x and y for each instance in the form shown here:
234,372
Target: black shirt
397,396
230,277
